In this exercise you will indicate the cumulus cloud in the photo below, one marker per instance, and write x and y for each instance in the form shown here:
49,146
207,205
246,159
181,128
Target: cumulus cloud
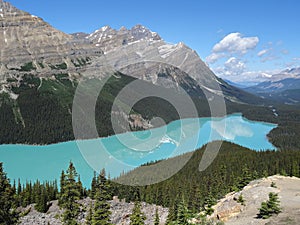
233,43
234,66
236,43
212,58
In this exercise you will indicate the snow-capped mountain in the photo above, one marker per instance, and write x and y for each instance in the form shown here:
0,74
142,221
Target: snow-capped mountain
285,80
284,86
108,38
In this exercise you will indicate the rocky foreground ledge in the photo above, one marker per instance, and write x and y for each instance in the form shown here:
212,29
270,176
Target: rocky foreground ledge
227,209
120,213
233,213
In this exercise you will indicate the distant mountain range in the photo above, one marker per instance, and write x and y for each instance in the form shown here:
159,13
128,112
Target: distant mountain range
283,87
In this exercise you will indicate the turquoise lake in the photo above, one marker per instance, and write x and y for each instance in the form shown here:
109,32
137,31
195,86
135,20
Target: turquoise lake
124,152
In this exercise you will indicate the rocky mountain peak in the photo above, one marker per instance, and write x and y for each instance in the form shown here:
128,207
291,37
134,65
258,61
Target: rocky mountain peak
6,6
140,32
108,38
123,29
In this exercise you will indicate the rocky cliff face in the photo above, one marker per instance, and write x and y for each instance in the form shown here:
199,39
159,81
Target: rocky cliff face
29,44
25,37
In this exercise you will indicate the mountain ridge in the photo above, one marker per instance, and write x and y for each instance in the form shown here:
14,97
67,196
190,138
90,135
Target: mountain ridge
283,87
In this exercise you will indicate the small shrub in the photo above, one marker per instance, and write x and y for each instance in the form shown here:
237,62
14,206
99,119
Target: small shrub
273,185
241,200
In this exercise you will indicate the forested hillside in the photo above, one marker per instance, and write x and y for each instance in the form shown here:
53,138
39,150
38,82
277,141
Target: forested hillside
42,112
232,169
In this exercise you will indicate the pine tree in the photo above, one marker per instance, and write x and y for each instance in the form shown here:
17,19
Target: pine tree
89,215
156,220
245,179
172,216
269,207
81,189
41,202
208,203
183,213
62,186
93,186
7,215
101,214
137,217
69,196
19,189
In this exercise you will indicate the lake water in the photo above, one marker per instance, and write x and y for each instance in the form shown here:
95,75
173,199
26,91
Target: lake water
126,151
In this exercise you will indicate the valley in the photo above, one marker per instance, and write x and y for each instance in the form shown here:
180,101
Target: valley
120,126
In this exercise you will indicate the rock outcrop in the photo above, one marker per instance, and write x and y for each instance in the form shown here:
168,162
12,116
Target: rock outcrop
121,212
233,213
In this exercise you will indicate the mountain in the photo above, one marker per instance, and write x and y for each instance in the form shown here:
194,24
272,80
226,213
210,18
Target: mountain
40,68
107,38
238,85
138,50
31,46
283,87
25,37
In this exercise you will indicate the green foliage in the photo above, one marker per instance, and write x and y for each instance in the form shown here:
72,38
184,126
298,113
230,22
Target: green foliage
156,219
270,207
273,184
41,201
209,202
215,182
101,211
93,189
241,199
7,214
172,216
183,213
28,67
41,65
62,66
137,217
70,194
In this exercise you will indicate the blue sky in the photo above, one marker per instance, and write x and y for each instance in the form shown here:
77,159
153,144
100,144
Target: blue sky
241,40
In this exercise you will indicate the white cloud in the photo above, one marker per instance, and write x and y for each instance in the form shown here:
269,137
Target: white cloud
236,43
233,43
234,66
212,58
262,52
